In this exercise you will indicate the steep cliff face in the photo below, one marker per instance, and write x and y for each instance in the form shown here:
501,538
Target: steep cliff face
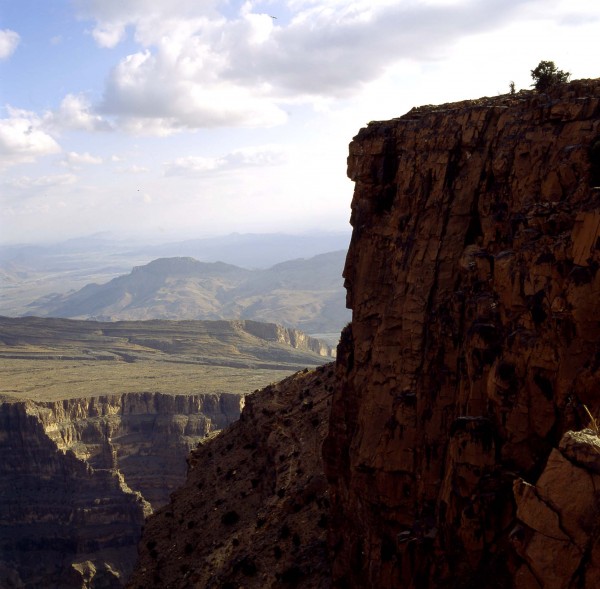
286,335
78,477
145,436
472,276
254,509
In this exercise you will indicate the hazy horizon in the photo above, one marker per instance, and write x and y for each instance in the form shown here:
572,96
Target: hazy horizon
173,237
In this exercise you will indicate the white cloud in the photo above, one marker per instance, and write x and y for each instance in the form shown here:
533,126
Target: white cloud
76,112
133,169
177,88
23,138
8,42
241,158
41,182
76,160
198,68
109,35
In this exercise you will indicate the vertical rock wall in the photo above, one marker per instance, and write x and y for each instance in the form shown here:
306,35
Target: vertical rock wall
62,523
472,276
145,436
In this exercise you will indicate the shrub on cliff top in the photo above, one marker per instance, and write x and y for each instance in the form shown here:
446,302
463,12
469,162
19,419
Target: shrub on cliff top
546,75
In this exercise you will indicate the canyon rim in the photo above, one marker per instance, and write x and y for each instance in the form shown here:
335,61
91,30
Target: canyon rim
454,451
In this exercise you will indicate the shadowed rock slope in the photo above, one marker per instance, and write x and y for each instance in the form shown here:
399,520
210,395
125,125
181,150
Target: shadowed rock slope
254,509
475,342
78,477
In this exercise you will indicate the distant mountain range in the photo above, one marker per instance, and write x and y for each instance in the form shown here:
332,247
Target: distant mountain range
31,271
306,294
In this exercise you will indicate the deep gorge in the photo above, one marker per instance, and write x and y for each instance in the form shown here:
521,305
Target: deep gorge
79,476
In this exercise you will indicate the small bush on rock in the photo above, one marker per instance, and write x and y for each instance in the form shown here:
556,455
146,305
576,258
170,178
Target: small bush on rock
546,75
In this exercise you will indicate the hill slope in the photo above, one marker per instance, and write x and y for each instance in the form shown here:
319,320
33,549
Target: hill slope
306,294
253,511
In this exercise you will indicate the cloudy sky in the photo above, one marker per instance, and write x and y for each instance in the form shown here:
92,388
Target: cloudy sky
189,118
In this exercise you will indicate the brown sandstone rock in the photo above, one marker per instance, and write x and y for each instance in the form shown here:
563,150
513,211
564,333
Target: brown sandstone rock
562,516
475,338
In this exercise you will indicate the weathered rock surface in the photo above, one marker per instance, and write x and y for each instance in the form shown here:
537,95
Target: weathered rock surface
558,534
144,436
78,477
253,512
475,341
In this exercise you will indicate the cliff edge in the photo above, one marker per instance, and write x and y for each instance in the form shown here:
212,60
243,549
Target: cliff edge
455,451
474,344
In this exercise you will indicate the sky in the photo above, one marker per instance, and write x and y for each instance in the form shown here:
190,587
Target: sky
194,118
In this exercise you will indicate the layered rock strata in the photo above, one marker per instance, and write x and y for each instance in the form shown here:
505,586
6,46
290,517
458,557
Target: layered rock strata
253,512
144,436
285,335
475,340
79,476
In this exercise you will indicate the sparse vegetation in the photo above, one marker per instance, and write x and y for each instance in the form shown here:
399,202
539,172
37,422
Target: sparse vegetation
54,359
546,75
594,425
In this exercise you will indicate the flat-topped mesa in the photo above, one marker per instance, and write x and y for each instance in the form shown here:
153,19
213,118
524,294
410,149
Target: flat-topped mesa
287,335
472,276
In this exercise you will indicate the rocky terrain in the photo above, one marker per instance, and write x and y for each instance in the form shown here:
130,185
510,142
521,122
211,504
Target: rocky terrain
78,477
474,346
456,455
96,423
305,294
254,509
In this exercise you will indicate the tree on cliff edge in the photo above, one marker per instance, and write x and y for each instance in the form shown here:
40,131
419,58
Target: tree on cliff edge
546,75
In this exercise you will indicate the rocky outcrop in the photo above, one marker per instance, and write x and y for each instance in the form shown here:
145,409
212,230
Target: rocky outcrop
558,534
254,510
79,476
475,342
286,335
144,436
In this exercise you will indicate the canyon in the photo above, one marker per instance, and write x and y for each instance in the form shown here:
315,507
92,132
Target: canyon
254,508
97,421
78,477
461,450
